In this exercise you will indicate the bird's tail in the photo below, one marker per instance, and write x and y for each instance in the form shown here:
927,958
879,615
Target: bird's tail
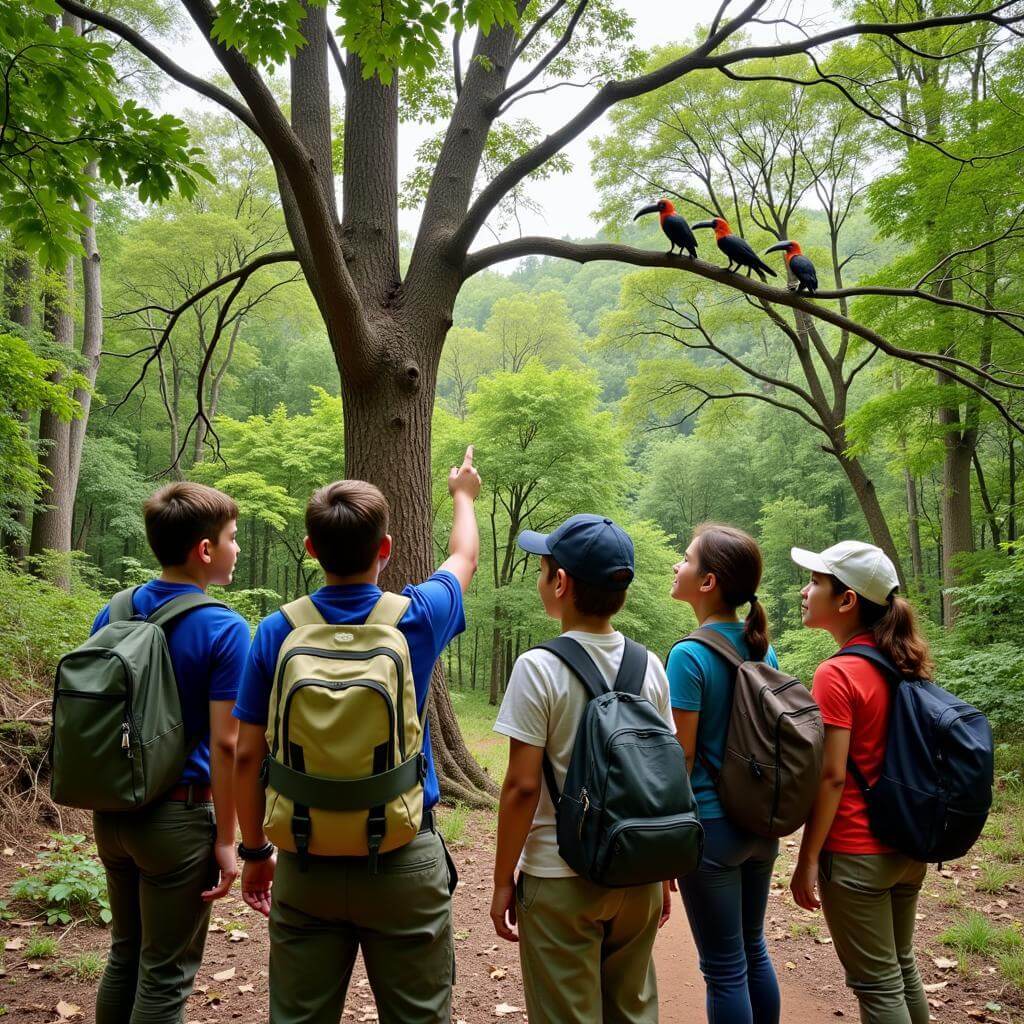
766,268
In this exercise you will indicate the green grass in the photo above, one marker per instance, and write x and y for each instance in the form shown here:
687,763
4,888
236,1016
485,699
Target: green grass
452,823
1011,967
976,934
85,966
951,896
994,877
476,719
801,928
41,947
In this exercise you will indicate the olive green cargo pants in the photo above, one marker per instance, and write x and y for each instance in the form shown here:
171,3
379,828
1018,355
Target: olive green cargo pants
400,917
870,902
586,951
158,862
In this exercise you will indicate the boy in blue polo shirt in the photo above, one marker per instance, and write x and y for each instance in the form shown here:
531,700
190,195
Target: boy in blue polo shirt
324,909
168,862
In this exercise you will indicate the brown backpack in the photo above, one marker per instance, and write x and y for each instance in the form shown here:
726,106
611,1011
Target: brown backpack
773,749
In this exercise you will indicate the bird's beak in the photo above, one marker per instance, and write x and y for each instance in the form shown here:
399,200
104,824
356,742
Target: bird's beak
653,208
778,247
703,224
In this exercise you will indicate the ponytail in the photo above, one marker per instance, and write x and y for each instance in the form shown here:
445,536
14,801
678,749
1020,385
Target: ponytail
755,630
895,631
735,560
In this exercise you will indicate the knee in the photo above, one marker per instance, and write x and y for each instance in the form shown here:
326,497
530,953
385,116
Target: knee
726,967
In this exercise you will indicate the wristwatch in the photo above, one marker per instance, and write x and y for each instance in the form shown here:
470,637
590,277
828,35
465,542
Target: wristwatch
247,853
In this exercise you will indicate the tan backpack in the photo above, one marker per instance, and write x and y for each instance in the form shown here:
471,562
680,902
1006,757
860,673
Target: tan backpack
346,766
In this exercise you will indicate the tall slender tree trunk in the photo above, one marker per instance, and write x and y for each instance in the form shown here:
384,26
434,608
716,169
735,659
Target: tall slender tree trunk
18,309
914,526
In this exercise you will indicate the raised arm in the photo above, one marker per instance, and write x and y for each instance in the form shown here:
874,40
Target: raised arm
464,543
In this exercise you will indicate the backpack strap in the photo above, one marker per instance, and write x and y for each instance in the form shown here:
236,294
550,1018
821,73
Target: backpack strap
170,610
633,669
122,606
302,612
717,642
573,654
892,674
389,610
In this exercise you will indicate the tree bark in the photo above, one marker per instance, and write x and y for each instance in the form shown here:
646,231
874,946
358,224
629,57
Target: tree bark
18,309
914,525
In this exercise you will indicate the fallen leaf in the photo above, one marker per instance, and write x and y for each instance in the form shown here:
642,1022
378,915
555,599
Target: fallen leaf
8,852
67,1011
11,944
224,975
238,936
246,988
935,986
504,1009
943,963
790,966
498,973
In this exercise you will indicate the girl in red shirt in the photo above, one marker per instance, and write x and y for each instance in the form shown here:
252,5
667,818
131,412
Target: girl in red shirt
867,891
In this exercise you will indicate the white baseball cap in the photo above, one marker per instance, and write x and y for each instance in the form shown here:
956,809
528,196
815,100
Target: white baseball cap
865,569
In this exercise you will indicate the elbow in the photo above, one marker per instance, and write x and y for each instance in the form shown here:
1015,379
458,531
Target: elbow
833,779
522,791
225,748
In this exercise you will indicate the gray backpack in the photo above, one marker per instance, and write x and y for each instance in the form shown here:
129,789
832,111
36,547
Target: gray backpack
118,740
773,749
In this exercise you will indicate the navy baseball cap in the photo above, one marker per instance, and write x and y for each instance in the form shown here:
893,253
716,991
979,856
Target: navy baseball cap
588,547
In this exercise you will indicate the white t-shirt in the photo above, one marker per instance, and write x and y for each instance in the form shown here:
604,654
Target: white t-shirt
543,705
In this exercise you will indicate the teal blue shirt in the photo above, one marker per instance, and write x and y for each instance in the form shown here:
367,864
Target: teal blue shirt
700,680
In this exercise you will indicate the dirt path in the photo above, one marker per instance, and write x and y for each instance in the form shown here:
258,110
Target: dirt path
809,995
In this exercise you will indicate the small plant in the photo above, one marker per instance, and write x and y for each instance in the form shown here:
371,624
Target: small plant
68,885
995,877
802,928
41,947
452,823
85,966
951,895
1011,967
977,934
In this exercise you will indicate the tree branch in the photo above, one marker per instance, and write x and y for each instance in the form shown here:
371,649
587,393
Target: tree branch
339,61
536,27
589,252
162,61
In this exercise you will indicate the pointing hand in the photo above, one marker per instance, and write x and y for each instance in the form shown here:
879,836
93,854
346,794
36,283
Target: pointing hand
464,479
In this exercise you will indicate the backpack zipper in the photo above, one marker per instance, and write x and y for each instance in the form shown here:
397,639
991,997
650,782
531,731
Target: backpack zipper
344,656
366,684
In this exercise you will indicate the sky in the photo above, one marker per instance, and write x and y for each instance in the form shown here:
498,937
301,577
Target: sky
566,201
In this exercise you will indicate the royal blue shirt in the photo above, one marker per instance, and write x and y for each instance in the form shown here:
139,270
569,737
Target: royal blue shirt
701,680
434,617
208,648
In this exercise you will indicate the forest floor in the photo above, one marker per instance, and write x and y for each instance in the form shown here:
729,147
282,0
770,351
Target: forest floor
970,937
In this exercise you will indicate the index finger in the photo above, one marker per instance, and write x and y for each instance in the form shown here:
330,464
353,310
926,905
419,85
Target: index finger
468,460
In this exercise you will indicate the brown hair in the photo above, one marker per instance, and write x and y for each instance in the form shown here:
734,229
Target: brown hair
587,598
346,522
735,559
896,632
180,515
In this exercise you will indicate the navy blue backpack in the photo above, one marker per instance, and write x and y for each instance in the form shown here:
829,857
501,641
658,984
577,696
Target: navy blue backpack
935,790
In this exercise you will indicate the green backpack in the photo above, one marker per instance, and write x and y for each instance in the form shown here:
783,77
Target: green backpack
345,770
117,740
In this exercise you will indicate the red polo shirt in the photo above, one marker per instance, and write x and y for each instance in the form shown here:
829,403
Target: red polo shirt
853,694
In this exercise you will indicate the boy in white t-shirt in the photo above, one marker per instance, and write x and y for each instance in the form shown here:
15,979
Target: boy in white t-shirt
585,949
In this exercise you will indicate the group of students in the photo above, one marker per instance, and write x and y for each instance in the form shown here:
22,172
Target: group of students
586,949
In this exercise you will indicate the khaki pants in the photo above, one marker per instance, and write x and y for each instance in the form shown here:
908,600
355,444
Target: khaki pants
158,861
586,951
400,917
869,902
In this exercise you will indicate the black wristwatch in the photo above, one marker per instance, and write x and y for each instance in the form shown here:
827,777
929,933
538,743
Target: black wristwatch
248,853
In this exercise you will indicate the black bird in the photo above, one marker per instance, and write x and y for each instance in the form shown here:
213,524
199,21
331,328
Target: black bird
739,251
674,225
803,269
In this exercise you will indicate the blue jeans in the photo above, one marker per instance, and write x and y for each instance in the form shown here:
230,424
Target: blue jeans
726,900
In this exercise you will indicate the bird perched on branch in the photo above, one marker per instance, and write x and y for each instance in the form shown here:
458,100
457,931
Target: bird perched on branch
803,269
738,251
674,225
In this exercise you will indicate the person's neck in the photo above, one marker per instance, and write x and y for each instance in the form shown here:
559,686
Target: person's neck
709,612
370,576
572,619
843,634
184,575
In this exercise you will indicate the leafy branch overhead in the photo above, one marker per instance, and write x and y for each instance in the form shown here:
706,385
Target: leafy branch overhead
61,108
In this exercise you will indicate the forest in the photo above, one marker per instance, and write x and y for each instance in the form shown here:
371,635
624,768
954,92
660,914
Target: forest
167,314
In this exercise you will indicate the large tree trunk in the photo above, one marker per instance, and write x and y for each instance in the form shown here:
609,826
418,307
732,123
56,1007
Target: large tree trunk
387,442
914,526
957,522
18,309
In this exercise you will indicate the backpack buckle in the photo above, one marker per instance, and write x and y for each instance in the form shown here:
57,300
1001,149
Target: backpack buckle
424,765
265,772
376,826
302,829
